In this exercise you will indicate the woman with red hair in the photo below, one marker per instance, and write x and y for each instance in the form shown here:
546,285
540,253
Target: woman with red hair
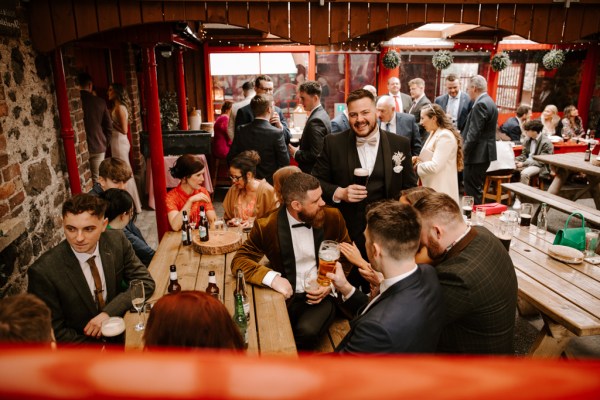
191,319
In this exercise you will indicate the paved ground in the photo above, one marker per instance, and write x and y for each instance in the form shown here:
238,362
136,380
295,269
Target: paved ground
526,329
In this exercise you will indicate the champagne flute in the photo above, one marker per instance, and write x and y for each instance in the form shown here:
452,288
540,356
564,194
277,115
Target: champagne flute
136,288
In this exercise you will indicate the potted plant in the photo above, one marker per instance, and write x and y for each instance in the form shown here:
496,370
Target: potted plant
553,59
442,59
500,61
391,59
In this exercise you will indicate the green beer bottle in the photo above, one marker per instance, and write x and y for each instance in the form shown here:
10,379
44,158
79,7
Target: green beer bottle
239,318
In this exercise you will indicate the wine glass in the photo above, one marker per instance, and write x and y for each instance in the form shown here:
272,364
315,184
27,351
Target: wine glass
136,288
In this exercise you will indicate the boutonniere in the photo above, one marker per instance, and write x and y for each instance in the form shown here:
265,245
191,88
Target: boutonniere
397,158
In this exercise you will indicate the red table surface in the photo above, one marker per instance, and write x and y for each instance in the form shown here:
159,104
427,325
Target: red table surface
559,148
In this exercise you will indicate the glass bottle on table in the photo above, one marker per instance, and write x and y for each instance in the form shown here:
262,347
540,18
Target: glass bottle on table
542,222
588,153
240,288
186,230
174,286
203,225
212,287
240,320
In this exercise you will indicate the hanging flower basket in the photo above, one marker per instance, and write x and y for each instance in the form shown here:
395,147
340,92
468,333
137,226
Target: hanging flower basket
553,59
391,59
500,61
442,59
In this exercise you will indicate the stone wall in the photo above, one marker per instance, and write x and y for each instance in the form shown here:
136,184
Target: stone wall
32,177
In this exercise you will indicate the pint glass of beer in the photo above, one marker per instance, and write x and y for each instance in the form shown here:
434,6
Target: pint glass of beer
113,330
361,176
329,253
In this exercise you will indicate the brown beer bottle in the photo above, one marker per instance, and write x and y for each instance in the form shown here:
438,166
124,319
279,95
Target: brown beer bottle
212,287
186,230
203,225
588,153
240,288
174,286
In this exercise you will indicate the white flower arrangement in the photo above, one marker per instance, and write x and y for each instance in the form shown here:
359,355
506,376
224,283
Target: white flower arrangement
442,59
553,59
500,61
391,59
397,158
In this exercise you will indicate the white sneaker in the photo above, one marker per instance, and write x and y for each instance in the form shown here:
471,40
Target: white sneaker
517,204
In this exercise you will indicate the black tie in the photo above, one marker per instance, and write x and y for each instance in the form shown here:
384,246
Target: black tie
301,224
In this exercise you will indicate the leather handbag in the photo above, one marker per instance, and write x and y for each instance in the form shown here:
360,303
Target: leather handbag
572,237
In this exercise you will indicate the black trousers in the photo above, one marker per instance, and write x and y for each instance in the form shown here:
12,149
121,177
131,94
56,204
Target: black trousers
473,178
310,321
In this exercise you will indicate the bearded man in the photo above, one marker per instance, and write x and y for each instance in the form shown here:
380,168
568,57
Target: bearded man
385,156
290,239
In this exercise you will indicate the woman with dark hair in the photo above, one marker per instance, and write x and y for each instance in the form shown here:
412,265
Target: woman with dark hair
248,197
119,143
571,123
442,156
189,195
222,141
119,211
191,319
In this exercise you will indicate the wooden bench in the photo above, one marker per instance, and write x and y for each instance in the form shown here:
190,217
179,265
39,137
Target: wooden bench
336,332
553,201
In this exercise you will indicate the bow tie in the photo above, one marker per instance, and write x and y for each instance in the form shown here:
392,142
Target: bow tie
371,142
301,224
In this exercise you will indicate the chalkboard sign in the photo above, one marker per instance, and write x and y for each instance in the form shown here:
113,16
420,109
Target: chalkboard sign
9,23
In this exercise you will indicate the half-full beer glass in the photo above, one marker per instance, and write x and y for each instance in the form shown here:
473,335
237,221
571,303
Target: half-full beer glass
329,253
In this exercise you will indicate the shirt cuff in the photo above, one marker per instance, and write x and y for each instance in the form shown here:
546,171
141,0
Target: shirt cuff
333,198
268,279
344,298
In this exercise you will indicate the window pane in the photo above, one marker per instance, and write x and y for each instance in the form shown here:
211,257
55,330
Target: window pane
331,75
362,70
234,63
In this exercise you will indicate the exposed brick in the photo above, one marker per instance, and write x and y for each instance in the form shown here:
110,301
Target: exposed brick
3,160
3,109
7,190
11,172
3,211
2,143
17,199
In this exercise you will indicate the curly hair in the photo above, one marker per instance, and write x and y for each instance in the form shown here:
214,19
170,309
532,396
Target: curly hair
437,113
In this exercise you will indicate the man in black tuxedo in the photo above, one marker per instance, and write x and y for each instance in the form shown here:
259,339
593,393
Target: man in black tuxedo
263,84
318,125
385,156
262,136
399,123
479,137
455,102
417,93
513,127
407,313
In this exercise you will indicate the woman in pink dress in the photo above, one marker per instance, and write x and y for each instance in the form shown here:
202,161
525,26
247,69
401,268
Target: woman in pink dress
222,141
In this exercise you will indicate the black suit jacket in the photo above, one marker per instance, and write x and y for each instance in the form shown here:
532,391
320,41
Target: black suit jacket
512,128
245,116
407,126
416,112
317,127
335,168
464,107
267,140
56,278
479,135
407,318
97,122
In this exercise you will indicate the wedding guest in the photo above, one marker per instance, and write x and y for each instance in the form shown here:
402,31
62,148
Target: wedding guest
280,176
551,121
24,318
222,142
535,144
571,123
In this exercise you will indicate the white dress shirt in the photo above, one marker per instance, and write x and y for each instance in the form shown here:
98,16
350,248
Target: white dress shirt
452,106
87,273
397,99
389,126
367,154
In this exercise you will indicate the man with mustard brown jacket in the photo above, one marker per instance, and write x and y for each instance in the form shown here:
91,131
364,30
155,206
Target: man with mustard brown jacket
290,238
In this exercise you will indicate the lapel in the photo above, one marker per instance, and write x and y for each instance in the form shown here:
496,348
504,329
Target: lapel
384,143
445,101
318,238
286,249
75,275
352,154
108,265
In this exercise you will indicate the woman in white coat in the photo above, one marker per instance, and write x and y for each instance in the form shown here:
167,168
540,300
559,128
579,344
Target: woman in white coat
441,158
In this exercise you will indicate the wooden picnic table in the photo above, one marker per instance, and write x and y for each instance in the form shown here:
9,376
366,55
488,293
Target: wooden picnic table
566,295
567,164
269,329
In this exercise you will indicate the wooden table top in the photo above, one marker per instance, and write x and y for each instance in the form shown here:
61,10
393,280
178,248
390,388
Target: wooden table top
570,161
269,329
567,293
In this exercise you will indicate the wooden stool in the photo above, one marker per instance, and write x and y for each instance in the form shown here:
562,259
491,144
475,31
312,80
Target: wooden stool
218,163
496,181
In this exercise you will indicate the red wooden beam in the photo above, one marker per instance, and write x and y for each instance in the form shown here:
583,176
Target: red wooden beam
181,95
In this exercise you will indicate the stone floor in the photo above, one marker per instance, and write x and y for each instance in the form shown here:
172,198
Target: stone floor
526,328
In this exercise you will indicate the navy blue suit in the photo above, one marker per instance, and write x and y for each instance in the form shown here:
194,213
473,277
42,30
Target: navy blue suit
464,107
340,123
245,116
512,128
407,126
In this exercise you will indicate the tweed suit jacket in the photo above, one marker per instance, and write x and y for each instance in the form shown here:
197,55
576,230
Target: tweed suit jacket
406,318
479,287
271,237
318,125
57,278
245,116
544,146
340,123
479,135
464,106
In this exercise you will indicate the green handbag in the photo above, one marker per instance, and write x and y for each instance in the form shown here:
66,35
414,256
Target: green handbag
572,237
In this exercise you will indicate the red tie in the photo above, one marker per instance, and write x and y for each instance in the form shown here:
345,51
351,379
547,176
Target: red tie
397,104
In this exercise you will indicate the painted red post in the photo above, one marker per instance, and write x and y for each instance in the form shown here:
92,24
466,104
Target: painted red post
588,77
66,128
493,76
181,95
155,142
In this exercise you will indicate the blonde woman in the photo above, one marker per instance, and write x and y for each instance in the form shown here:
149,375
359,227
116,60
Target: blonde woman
551,121
442,156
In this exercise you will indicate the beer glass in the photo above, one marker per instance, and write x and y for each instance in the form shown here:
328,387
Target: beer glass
526,213
113,330
309,280
479,215
591,242
361,176
503,230
329,253
512,217
467,205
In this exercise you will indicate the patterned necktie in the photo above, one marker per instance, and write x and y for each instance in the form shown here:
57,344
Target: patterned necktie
97,283
361,141
397,104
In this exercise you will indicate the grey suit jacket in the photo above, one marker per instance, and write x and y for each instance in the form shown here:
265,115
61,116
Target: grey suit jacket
317,127
56,278
340,123
407,126
245,116
479,135
416,112
464,106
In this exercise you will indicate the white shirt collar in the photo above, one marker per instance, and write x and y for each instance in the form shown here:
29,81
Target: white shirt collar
83,257
314,109
387,283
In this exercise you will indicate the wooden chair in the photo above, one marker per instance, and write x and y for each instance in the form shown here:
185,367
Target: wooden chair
219,179
495,181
